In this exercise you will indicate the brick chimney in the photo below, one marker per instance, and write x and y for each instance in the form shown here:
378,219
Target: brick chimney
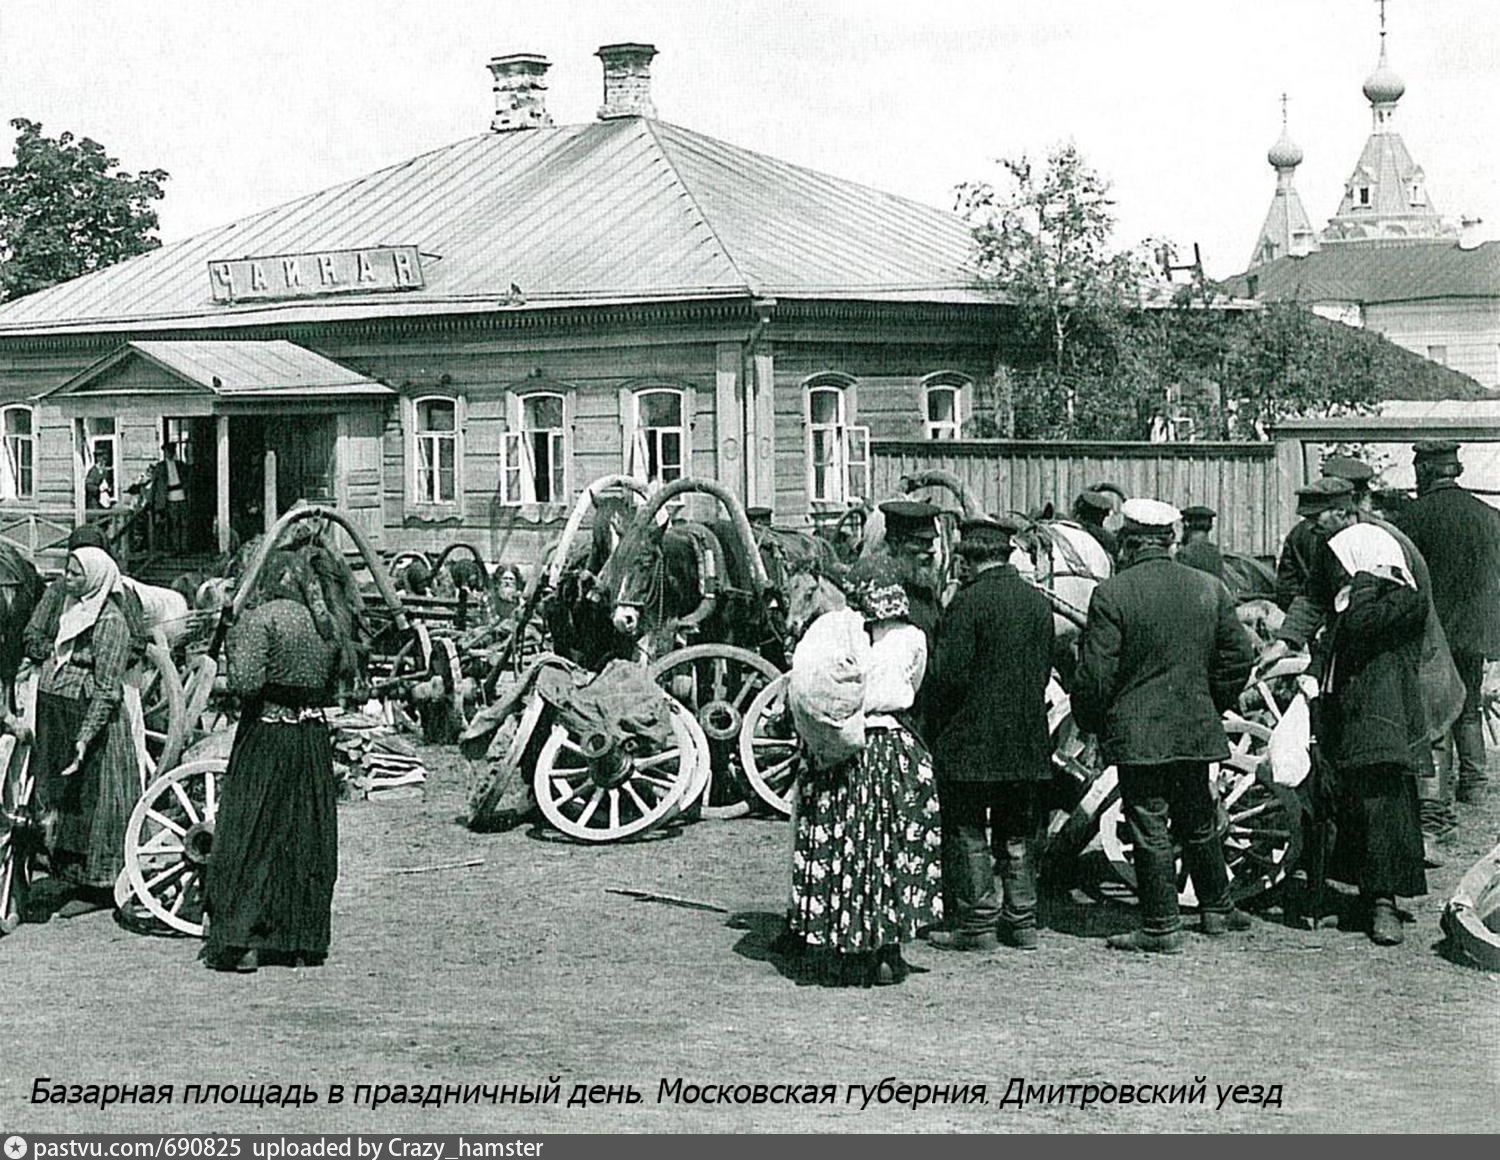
520,92
627,81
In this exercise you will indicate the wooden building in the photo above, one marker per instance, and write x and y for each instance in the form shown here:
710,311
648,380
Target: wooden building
451,348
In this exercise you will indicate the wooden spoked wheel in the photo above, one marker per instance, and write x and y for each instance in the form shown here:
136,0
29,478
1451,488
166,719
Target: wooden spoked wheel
769,747
164,707
596,796
1260,821
717,683
168,842
20,836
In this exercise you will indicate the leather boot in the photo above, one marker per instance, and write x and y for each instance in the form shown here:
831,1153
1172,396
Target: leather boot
1473,773
1385,923
1435,793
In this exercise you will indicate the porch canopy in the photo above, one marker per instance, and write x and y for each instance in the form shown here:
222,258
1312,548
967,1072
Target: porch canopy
294,400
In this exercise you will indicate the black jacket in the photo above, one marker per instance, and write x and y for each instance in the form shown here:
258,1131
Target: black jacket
1295,564
1459,536
1202,554
987,684
1162,656
1373,711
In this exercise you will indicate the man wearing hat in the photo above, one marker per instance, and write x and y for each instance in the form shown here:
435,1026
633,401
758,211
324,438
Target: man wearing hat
911,541
1091,509
1300,548
1459,536
991,747
1162,656
1197,550
1356,471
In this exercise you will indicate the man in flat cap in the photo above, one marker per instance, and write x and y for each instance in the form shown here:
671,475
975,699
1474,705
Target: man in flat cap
1198,549
911,534
1162,657
1356,471
1300,548
1091,509
1459,536
991,746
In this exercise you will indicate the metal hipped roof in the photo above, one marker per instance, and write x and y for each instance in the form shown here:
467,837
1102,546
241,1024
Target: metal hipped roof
1373,272
239,370
628,210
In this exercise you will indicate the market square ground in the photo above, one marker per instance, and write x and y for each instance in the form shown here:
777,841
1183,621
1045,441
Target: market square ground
527,966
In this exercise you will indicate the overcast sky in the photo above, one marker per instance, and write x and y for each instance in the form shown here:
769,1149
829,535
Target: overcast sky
250,103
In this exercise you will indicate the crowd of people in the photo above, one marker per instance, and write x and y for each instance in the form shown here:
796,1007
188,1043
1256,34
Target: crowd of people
1399,619
923,714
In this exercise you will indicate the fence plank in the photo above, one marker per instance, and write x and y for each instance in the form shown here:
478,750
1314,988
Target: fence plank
1239,480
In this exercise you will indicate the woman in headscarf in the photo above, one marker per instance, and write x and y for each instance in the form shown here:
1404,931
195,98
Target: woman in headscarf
1373,720
87,772
275,857
866,871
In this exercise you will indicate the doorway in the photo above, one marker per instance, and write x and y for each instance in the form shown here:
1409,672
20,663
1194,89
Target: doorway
194,445
302,457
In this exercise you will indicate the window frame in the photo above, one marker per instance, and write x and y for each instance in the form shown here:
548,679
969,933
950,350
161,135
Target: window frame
636,454
849,444
416,502
517,454
12,471
962,387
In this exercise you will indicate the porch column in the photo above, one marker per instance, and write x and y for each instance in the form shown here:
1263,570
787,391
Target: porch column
221,509
268,494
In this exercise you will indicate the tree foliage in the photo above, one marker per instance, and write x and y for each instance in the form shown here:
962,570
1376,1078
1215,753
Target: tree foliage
1096,349
65,210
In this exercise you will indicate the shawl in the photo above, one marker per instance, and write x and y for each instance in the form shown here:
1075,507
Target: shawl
80,613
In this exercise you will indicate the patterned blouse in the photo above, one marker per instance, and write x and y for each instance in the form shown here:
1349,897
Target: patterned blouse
277,643
95,672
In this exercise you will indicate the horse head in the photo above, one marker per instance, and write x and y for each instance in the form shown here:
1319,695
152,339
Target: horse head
809,591
642,583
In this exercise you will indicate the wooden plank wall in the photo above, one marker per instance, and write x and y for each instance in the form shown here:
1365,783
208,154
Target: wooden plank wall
1239,480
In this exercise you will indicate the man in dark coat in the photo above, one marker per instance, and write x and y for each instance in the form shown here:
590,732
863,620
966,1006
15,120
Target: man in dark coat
1357,472
1162,657
1197,549
1091,509
991,748
911,534
1459,536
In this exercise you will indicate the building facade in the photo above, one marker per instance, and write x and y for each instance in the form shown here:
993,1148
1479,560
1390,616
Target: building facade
1386,259
453,347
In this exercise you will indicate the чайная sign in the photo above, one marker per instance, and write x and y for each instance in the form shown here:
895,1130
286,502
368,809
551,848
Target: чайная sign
310,275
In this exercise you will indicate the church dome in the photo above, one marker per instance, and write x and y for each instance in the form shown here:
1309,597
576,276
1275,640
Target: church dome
1286,153
1384,86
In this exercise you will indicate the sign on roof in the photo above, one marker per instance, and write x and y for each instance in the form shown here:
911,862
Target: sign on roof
310,275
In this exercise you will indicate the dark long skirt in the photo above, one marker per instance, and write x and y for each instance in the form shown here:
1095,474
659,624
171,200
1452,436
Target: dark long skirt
867,868
1379,842
92,807
275,852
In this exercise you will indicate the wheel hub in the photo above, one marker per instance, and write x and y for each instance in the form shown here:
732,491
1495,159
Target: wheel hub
197,844
720,720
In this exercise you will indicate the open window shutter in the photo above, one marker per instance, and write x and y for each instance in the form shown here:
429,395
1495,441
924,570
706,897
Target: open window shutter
409,446
567,450
511,460
689,420
627,433
460,448
857,462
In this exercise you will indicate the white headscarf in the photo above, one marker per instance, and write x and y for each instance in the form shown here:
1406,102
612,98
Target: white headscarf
1369,548
101,579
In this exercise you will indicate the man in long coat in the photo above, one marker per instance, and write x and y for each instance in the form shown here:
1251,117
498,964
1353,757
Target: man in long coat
1197,549
1459,536
1163,655
991,748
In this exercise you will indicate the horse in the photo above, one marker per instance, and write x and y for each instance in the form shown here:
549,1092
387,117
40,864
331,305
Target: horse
1066,562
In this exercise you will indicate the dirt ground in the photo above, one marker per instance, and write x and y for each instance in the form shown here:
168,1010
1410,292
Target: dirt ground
528,966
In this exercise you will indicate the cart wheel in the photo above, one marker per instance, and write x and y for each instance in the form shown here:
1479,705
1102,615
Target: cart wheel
717,682
169,840
164,706
1259,820
20,837
608,800
769,747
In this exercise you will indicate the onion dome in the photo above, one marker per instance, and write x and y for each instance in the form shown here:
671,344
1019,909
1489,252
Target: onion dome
1286,153
1384,86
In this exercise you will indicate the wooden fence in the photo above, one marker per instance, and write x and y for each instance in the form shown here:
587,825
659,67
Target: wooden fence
1240,481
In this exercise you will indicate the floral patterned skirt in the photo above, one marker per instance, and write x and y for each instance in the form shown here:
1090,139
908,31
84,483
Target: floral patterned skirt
867,869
